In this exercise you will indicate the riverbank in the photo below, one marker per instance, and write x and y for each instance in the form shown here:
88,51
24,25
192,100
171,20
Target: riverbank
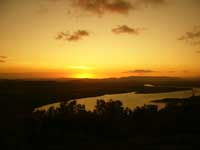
160,89
192,99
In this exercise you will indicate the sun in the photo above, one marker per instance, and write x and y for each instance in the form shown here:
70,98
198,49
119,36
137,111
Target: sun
84,75
82,71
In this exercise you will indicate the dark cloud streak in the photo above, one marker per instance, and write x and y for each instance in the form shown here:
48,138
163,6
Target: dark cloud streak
3,59
126,29
140,71
75,36
100,7
192,37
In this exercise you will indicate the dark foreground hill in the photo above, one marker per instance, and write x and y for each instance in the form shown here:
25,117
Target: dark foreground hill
110,126
117,127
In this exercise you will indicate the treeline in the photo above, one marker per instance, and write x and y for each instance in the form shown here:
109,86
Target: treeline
110,111
111,126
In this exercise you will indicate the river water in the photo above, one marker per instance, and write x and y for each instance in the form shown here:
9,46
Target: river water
130,99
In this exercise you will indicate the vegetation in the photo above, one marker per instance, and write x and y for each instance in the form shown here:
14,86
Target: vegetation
111,126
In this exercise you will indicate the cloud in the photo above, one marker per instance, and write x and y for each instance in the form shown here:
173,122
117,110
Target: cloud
140,71
75,36
101,7
126,29
78,35
193,36
198,52
104,6
3,59
62,35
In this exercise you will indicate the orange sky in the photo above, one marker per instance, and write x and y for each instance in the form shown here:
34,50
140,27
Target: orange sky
99,39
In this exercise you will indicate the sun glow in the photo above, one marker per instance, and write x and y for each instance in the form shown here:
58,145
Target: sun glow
84,75
81,67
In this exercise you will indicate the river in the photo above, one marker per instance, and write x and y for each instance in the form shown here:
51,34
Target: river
130,99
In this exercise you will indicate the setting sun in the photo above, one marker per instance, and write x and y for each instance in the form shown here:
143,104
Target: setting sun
85,75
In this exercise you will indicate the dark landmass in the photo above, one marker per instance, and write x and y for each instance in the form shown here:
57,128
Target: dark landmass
161,89
18,99
170,100
22,96
111,126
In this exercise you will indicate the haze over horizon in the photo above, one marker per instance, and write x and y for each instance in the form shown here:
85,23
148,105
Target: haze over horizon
99,38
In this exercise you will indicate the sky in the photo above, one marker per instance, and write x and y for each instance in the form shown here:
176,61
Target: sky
99,38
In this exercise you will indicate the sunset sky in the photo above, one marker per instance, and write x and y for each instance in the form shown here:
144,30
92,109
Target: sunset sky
99,38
